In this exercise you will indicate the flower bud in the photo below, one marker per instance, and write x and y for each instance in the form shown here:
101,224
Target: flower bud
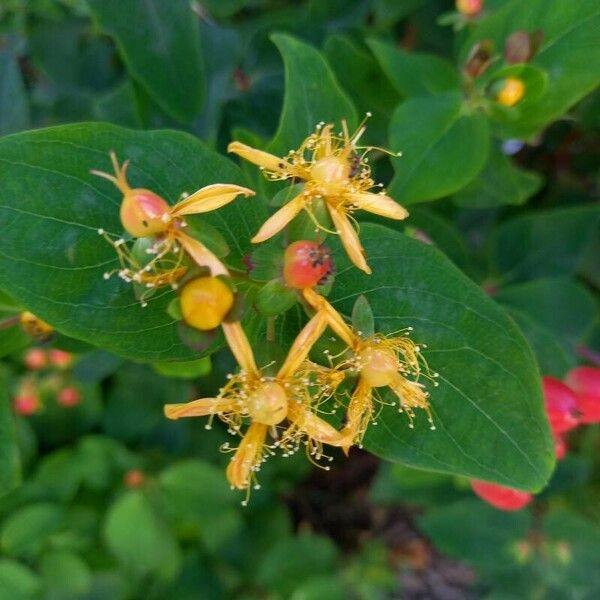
480,58
134,478
306,264
143,213
469,8
510,91
205,302
35,359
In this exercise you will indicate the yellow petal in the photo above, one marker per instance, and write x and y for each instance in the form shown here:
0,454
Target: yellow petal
209,198
358,415
247,457
199,408
349,239
280,219
302,344
334,319
379,204
258,157
315,427
201,254
240,346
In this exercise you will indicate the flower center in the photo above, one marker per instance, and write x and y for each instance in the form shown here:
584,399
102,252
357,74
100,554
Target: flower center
268,404
142,212
378,366
331,173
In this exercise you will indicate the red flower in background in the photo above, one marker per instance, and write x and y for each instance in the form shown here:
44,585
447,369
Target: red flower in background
585,382
501,497
561,405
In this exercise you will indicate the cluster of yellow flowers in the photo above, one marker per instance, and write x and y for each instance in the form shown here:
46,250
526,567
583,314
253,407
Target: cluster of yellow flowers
279,408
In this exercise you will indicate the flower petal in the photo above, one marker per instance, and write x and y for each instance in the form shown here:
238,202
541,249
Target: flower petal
315,427
324,147
209,198
275,223
302,344
201,255
199,408
358,415
379,204
240,346
334,319
247,457
262,159
349,239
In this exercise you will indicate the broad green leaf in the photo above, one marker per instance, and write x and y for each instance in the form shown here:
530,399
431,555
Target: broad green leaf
391,11
569,53
160,45
444,145
317,588
189,369
14,104
415,73
542,244
119,106
488,410
65,574
500,182
139,539
312,95
10,461
17,581
51,258
12,336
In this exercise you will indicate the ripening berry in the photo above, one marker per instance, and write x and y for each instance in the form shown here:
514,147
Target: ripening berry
306,264
205,302
561,405
60,358
585,382
26,404
503,498
143,213
510,91
35,359
470,8
68,396
134,478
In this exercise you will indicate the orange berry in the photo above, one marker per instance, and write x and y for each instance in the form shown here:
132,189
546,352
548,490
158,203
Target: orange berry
60,358
205,302
511,91
470,8
35,359
134,478
68,397
306,264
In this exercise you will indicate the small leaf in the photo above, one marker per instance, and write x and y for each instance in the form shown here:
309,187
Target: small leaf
362,317
275,298
204,232
443,147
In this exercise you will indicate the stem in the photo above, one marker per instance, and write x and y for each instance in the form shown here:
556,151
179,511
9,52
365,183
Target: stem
10,322
271,329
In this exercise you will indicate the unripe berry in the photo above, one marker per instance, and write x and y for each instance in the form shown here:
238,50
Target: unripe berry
143,213
378,366
68,396
35,359
134,478
470,8
501,497
26,405
268,404
60,358
585,382
205,302
561,405
306,264
510,91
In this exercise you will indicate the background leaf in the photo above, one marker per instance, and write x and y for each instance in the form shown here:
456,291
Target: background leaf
10,462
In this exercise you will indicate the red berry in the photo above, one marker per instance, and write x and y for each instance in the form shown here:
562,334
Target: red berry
134,478
501,497
35,359
560,446
60,359
26,405
68,397
561,405
585,382
306,264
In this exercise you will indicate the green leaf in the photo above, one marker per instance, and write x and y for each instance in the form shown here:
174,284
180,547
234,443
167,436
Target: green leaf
569,53
415,73
542,244
65,574
500,182
119,106
189,369
443,146
51,258
275,298
488,410
10,461
160,45
17,581
139,539
14,104
312,95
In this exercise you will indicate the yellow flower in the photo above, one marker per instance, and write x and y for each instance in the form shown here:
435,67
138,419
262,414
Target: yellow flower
379,361
335,172
144,214
293,393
